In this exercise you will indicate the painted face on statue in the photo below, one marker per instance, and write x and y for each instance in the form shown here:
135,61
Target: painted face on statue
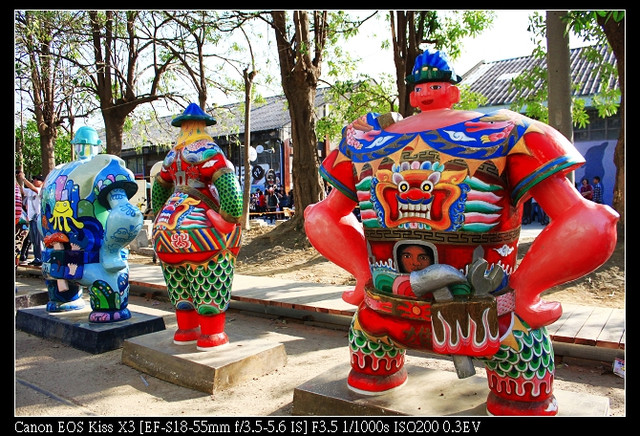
434,95
414,258
86,151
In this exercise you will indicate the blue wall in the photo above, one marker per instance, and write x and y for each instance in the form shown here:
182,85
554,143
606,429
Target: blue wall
599,157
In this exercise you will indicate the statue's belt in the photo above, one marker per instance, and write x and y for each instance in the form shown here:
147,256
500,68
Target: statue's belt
445,238
193,192
411,308
202,239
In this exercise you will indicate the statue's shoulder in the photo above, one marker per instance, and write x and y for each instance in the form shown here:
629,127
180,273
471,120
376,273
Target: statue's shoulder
389,118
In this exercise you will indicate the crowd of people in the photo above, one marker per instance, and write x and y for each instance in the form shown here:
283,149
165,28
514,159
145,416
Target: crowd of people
27,214
271,203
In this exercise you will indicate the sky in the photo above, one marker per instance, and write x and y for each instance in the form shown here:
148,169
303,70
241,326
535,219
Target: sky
507,38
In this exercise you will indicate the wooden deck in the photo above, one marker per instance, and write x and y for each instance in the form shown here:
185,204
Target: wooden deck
588,325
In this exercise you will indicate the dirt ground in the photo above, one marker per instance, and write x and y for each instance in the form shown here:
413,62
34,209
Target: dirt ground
58,381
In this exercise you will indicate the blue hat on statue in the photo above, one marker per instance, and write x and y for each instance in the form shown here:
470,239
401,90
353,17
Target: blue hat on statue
432,66
193,112
86,135
86,142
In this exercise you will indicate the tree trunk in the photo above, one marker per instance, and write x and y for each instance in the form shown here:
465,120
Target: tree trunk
113,128
248,85
615,35
46,130
406,47
558,67
300,75
47,149
48,133
307,183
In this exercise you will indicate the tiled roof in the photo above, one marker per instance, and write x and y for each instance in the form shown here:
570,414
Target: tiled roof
271,114
492,79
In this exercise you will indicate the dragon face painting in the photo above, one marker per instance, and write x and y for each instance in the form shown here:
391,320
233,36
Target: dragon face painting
416,194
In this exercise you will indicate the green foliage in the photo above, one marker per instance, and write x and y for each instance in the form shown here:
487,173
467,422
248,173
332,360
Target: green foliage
350,100
585,23
31,149
616,15
451,27
532,84
469,100
606,102
579,114
532,93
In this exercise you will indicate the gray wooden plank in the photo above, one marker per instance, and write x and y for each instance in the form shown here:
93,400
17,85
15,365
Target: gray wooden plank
567,310
569,330
593,326
613,334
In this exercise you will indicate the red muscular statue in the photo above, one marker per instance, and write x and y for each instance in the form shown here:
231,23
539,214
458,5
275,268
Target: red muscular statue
440,195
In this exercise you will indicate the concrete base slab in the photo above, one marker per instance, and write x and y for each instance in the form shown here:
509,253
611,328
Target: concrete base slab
207,371
73,328
428,392
31,299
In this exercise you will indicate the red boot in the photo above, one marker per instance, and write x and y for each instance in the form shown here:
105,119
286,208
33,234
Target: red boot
188,327
211,332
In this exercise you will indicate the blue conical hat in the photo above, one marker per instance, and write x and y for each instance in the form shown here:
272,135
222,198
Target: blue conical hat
193,112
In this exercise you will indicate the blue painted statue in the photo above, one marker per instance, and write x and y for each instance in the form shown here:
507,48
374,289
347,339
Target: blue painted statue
87,221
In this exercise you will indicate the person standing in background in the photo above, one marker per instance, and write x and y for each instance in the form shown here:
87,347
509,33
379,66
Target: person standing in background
586,189
26,242
21,223
33,198
261,203
597,190
272,204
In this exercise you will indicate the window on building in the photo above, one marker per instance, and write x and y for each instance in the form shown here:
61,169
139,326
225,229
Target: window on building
598,128
135,164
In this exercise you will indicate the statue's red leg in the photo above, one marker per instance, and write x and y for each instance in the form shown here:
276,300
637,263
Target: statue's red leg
376,367
521,382
211,331
188,327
